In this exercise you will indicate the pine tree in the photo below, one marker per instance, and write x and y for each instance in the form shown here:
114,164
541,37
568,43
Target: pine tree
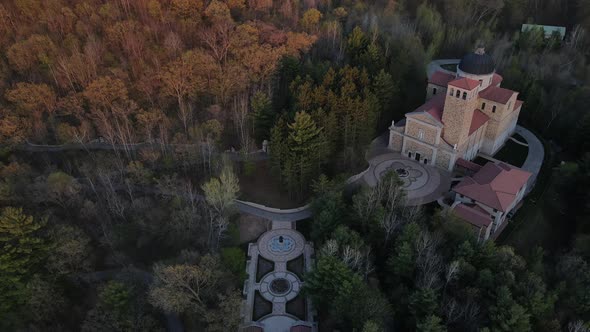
431,323
21,252
278,146
304,141
263,116
507,315
387,91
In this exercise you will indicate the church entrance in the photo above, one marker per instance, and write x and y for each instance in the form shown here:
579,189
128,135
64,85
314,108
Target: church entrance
417,156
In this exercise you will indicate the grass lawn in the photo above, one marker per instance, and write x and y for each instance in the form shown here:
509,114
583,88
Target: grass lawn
450,67
262,187
513,153
535,224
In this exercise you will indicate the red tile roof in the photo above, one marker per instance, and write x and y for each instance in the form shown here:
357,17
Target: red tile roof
434,107
494,93
495,185
497,80
473,214
465,83
441,78
478,120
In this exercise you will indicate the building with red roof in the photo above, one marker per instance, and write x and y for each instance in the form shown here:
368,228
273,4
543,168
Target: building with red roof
465,113
485,199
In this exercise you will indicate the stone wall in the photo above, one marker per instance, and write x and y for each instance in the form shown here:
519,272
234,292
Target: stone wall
395,140
430,90
498,131
425,151
457,116
442,159
430,133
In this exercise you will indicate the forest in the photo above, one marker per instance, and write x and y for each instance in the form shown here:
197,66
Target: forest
129,127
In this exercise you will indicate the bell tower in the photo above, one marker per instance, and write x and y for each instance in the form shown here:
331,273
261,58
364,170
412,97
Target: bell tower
460,103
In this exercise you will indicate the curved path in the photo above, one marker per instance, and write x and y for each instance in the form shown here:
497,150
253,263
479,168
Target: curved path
436,66
101,145
534,160
273,214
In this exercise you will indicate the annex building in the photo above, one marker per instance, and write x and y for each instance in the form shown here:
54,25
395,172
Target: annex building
465,113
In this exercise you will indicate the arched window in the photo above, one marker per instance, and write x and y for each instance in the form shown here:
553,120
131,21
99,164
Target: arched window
425,161
433,91
421,134
483,106
409,155
464,95
458,94
494,109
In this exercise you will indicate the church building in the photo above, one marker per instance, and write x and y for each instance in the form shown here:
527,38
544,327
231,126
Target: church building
465,113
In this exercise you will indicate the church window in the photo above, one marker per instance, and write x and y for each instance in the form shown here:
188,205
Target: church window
421,134
464,95
494,109
458,94
433,91
483,106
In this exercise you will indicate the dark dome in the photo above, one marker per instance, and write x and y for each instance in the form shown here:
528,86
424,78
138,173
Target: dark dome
477,63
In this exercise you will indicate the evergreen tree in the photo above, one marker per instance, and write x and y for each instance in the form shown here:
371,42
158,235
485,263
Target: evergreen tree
423,303
305,140
278,147
507,315
21,251
325,281
431,323
263,116
387,91
357,303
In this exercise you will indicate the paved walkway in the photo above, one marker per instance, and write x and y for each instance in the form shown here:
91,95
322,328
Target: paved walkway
423,183
273,214
436,65
280,245
534,159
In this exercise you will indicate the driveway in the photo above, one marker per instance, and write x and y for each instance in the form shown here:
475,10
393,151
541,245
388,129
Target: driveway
436,65
273,214
534,159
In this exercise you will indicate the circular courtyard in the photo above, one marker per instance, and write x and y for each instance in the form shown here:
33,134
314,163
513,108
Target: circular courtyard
280,286
281,245
422,183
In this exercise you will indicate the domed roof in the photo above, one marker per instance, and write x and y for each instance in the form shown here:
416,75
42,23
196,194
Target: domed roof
477,63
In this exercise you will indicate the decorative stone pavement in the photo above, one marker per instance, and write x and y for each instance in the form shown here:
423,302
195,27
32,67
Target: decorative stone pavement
280,245
270,291
423,183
